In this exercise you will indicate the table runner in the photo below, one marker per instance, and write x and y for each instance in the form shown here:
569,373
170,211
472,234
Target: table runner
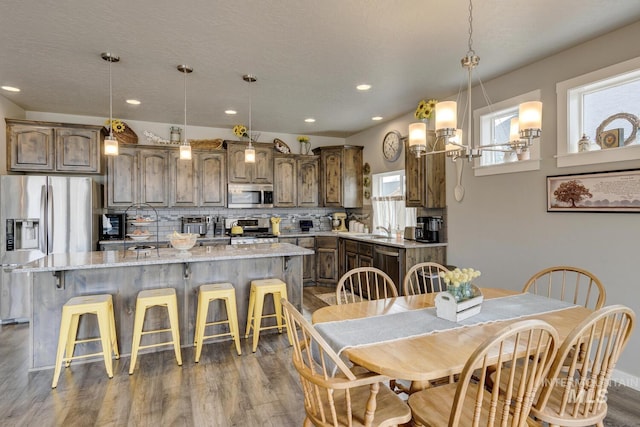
344,334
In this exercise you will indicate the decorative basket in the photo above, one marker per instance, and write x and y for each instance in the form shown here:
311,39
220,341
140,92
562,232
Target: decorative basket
448,308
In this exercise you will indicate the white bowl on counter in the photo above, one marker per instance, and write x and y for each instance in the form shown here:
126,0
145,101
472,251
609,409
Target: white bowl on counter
183,241
139,237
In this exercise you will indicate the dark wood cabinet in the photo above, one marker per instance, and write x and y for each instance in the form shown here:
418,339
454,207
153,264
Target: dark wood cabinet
327,260
340,176
240,172
425,178
295,181
355,254
53,147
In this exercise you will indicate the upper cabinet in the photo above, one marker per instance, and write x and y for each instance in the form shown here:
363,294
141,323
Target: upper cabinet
240,172
425,179
295,181
53,147
340,176
198,182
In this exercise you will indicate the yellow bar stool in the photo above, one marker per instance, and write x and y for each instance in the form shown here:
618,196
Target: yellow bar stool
206,294
165,297
259,289
99,305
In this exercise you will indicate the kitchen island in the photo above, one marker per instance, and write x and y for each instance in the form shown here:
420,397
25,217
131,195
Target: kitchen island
57,278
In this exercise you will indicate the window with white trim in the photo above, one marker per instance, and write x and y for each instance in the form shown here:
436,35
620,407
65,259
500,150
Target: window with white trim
603,105
491,127
388,201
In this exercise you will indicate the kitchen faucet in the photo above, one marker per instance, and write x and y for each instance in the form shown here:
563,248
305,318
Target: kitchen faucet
387,230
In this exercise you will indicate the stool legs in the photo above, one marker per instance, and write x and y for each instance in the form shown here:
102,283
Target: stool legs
137,335
175,332
207,294
259,290
257,320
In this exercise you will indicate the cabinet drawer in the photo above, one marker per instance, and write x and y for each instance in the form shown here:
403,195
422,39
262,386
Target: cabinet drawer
351,246
307,242
365,249
327,242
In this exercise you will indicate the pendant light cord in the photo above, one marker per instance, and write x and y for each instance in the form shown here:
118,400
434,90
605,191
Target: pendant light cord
110,100
185,108
250,112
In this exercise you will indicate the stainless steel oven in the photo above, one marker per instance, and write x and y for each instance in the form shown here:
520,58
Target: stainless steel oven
250,196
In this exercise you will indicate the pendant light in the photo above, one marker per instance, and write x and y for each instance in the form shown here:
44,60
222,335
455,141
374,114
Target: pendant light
185,147
110,142
249,152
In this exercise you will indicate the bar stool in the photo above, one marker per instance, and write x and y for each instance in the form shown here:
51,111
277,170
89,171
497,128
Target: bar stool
206,294
259,289
165,297
100,305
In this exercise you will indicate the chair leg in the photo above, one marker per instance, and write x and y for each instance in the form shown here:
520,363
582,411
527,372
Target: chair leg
71,339
137,335
232,315
104,326
201,320
252,302
175,332
114,337
65,326
257,320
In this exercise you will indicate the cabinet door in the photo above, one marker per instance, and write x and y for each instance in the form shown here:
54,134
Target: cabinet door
263,167
426,178
331,179
307,182
327,260
352,177
184,181
31,148
365,255
308,261
212,179
239,171
415,179
78,150
154,177
122,178
285,182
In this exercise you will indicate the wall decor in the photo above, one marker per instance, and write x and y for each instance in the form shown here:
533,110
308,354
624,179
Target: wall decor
602,132
615,191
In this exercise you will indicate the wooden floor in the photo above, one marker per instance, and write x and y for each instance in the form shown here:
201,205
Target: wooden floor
224,389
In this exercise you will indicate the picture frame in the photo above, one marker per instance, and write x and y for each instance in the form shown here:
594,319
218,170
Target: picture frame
613,191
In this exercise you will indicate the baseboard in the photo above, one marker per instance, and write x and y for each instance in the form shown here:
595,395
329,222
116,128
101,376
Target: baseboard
622,378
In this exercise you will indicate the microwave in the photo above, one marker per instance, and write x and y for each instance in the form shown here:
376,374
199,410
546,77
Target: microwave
112,226
250,196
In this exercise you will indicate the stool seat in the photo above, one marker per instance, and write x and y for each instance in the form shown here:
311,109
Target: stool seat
164,297
102,307
207,294
260,288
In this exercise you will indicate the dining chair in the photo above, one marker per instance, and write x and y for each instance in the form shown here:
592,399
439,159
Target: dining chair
529,345
575,394
423,278
364,283
569,284
351,397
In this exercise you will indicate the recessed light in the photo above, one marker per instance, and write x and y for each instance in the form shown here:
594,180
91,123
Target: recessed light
10,89
133,102
363,87
376,118
230,112
310,120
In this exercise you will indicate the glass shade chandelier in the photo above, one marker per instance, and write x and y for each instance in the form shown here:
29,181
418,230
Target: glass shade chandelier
528,125
110,142
249,152
185,147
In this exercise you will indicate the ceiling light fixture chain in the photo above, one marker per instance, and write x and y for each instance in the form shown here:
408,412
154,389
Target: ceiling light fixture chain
250,152
185,147
110,142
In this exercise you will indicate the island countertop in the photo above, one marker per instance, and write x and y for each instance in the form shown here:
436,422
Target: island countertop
105,259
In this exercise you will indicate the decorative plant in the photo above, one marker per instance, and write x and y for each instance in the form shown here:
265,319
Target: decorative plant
459,276
303,138
241,131
425,109
116,124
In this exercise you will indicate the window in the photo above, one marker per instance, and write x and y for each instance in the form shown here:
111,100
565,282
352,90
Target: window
491,127
585,102
388,201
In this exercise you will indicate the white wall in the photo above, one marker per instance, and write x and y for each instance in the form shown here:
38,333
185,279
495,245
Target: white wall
502,228
7,110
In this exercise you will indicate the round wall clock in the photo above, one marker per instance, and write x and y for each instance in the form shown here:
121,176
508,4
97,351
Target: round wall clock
392,145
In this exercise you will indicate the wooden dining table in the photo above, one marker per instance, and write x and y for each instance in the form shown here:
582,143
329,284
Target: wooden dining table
432,356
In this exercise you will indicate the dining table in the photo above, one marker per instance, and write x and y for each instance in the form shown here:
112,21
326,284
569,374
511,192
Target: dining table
426,356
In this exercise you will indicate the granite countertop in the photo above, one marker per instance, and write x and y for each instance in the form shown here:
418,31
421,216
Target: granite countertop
369,238
152,239
107,259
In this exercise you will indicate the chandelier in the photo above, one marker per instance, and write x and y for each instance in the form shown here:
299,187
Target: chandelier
249,152
524,129
110,142
185,147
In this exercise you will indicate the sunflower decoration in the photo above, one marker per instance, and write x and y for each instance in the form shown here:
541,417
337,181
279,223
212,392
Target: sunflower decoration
425,109
303,138
117,125
241,131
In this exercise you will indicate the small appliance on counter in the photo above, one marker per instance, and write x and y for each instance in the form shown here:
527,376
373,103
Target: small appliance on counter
112,227
338,222
218,226
306,225
195,225
431,228
413,232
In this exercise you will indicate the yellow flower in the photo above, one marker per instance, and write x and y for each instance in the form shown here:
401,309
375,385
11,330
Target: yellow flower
303,138
425,109
117,125
240,130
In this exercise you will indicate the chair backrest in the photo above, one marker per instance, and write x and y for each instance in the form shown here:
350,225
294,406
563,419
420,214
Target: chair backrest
577,383
569,284
423,278
364,283
530,346
328,398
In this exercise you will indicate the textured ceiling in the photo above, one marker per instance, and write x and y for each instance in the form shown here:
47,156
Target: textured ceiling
308,56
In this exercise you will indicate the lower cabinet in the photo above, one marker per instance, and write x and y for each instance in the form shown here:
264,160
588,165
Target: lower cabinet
327,260
355,254
308,261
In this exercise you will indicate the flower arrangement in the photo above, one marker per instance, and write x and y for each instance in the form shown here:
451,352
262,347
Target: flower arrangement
241,131
458,277
303,138
425,109
117,125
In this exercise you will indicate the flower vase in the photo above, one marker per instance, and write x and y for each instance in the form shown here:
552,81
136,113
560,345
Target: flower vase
304,147
466,290
455,291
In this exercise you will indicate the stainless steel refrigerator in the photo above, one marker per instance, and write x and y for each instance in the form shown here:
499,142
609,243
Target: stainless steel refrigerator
41,215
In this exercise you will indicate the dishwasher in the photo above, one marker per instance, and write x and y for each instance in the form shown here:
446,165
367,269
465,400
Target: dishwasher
388,259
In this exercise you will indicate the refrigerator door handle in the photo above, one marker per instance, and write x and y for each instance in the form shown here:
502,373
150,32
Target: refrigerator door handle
43,217
49,219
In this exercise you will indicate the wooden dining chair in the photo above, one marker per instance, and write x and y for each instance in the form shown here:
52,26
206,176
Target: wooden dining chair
364,283
569,284
529,345
423,278
352,397
575,394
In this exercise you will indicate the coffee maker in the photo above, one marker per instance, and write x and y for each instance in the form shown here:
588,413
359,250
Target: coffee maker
431,228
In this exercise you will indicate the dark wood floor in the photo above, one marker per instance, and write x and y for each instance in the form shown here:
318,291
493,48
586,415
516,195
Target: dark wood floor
224,389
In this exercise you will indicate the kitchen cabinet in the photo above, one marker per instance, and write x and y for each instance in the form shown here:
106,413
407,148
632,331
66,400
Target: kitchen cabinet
308,261
327,260
340,176
138,175
355,254
425,178
53,147
295,181
200,181
240,172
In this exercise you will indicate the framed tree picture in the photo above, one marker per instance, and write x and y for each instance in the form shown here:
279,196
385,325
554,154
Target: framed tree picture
616,191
